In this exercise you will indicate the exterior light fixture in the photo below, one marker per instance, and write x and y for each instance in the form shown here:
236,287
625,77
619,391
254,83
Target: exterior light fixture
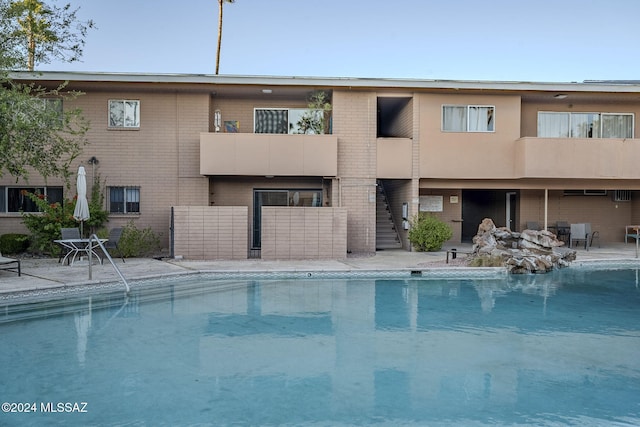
267,91
560,96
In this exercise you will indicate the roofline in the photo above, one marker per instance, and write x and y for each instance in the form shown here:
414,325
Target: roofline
342,82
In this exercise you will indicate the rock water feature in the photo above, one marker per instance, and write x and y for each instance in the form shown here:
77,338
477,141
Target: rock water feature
529,251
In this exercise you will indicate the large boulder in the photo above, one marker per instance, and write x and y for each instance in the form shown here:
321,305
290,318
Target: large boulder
530,251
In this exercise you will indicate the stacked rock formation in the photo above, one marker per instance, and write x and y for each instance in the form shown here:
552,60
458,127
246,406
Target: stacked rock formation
529,251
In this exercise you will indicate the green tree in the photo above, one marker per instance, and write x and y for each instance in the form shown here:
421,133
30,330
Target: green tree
220,8
42,32
10,57
35,132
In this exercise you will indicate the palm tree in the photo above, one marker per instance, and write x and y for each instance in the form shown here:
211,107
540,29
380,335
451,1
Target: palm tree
220,3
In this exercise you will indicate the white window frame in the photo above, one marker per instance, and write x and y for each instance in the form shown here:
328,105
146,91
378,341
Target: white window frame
600,130
491,125
127,118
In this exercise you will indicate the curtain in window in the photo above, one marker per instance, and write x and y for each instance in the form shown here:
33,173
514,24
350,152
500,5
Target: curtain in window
271,121
585,125
480,119
617,126
131,116
454,118
133,200
553,125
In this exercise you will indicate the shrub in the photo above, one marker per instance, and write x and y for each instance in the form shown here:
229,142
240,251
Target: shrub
137,243
45,225
428,233
14,243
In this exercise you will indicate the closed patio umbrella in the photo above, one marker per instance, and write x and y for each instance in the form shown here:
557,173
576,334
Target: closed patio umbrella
81,211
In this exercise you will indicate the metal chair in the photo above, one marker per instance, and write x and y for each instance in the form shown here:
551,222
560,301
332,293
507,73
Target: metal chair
533,225
114,238
563,231
578,234
68,234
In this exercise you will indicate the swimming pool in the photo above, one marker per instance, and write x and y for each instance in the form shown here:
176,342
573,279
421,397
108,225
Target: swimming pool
555,349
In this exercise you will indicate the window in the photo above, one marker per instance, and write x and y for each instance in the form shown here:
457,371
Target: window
468,118
124,199
44,112
15,199
124,114
622,196
53,107
288,120
584,125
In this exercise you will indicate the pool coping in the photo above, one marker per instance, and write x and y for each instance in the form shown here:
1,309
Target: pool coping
93,287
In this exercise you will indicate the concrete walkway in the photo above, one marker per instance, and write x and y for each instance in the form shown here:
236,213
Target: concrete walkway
47,273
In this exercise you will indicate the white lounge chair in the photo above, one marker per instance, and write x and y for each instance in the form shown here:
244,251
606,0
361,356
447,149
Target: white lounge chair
7,264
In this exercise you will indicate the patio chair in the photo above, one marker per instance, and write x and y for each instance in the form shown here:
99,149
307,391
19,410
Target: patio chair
533,225
578,235
7,264
591,235
563,231
114,239
68,234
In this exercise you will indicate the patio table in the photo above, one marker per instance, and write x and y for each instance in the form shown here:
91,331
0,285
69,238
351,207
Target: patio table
79,246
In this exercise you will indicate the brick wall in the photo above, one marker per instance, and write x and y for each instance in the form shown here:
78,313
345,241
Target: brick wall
354,120
303,233
210,232
161,157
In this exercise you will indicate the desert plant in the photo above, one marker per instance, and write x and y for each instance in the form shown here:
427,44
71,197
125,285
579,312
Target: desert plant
137,242
14,243
428,232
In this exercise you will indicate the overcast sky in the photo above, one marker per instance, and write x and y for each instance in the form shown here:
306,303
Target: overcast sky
496,40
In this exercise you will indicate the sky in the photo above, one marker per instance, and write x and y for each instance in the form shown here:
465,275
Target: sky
485,40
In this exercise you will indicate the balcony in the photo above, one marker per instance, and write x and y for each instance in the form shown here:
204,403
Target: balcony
268,154
577,158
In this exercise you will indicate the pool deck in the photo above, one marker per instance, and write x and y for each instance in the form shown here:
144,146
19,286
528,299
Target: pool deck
47,273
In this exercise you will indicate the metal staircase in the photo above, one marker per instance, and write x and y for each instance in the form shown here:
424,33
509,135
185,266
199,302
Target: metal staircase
386,232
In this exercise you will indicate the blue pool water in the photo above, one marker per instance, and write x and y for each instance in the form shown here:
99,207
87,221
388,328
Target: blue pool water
555,349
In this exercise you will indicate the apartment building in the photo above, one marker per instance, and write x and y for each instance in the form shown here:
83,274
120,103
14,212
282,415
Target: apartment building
230,161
